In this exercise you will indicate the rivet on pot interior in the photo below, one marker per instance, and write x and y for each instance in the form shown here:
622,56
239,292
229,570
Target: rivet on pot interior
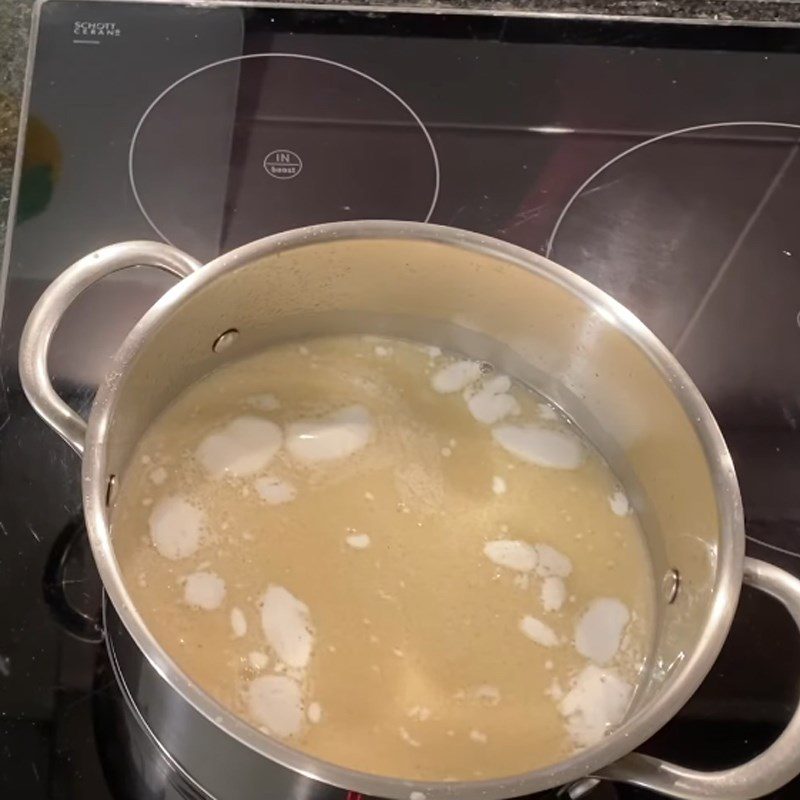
111,489
670,585
225,340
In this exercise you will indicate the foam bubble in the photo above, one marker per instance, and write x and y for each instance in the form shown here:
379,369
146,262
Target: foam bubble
204,590
554,593
335,436
358,541
619,503
598,632
538,631
492,403
512,554
287,627
314,713
541,446
176,527
552,562
242,447
488,694
419,713
257,660
265,402
546,411
158,476
276,702
274,490
456,376
597,700
408,738
238,622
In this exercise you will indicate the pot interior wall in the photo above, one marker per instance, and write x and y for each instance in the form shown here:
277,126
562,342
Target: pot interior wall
573,346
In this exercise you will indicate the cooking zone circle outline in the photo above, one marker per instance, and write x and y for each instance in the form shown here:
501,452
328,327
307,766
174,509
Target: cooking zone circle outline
300,57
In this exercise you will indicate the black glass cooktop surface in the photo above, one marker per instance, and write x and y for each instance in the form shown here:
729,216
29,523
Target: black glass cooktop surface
659,160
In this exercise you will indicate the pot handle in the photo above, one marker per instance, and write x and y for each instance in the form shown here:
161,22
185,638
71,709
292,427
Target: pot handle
34,345
765,773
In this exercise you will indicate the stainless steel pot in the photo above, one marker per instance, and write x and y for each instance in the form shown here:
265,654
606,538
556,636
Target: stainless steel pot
479,296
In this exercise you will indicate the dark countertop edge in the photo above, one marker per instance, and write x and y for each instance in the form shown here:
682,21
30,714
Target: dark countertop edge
701,11
771,12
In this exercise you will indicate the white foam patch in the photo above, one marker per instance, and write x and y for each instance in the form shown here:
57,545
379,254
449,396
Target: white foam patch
204,590
244,446
522,581
619,503
177,527
158,476
554,593
358,541
382,352
554,690
597,700
456,376
487,694
286,623
598,632
417,796
419,713
492,403
265,402
257,659
512,554
314,713
408,738
238,622
546,411
276,702
274,490
552,562
538,631
541,446
499,485
478,736
335,436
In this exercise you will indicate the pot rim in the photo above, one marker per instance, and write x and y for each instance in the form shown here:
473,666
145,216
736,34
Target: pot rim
642,724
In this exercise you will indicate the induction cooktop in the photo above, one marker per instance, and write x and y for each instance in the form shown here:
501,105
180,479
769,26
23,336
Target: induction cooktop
657,159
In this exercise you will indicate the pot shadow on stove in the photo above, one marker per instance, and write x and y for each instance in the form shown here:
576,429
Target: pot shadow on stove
79,615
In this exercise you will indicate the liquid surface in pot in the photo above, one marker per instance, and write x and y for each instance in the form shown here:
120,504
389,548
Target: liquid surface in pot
393,558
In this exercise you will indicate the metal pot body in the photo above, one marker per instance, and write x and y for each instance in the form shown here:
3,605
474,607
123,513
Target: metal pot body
491,301
216,764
